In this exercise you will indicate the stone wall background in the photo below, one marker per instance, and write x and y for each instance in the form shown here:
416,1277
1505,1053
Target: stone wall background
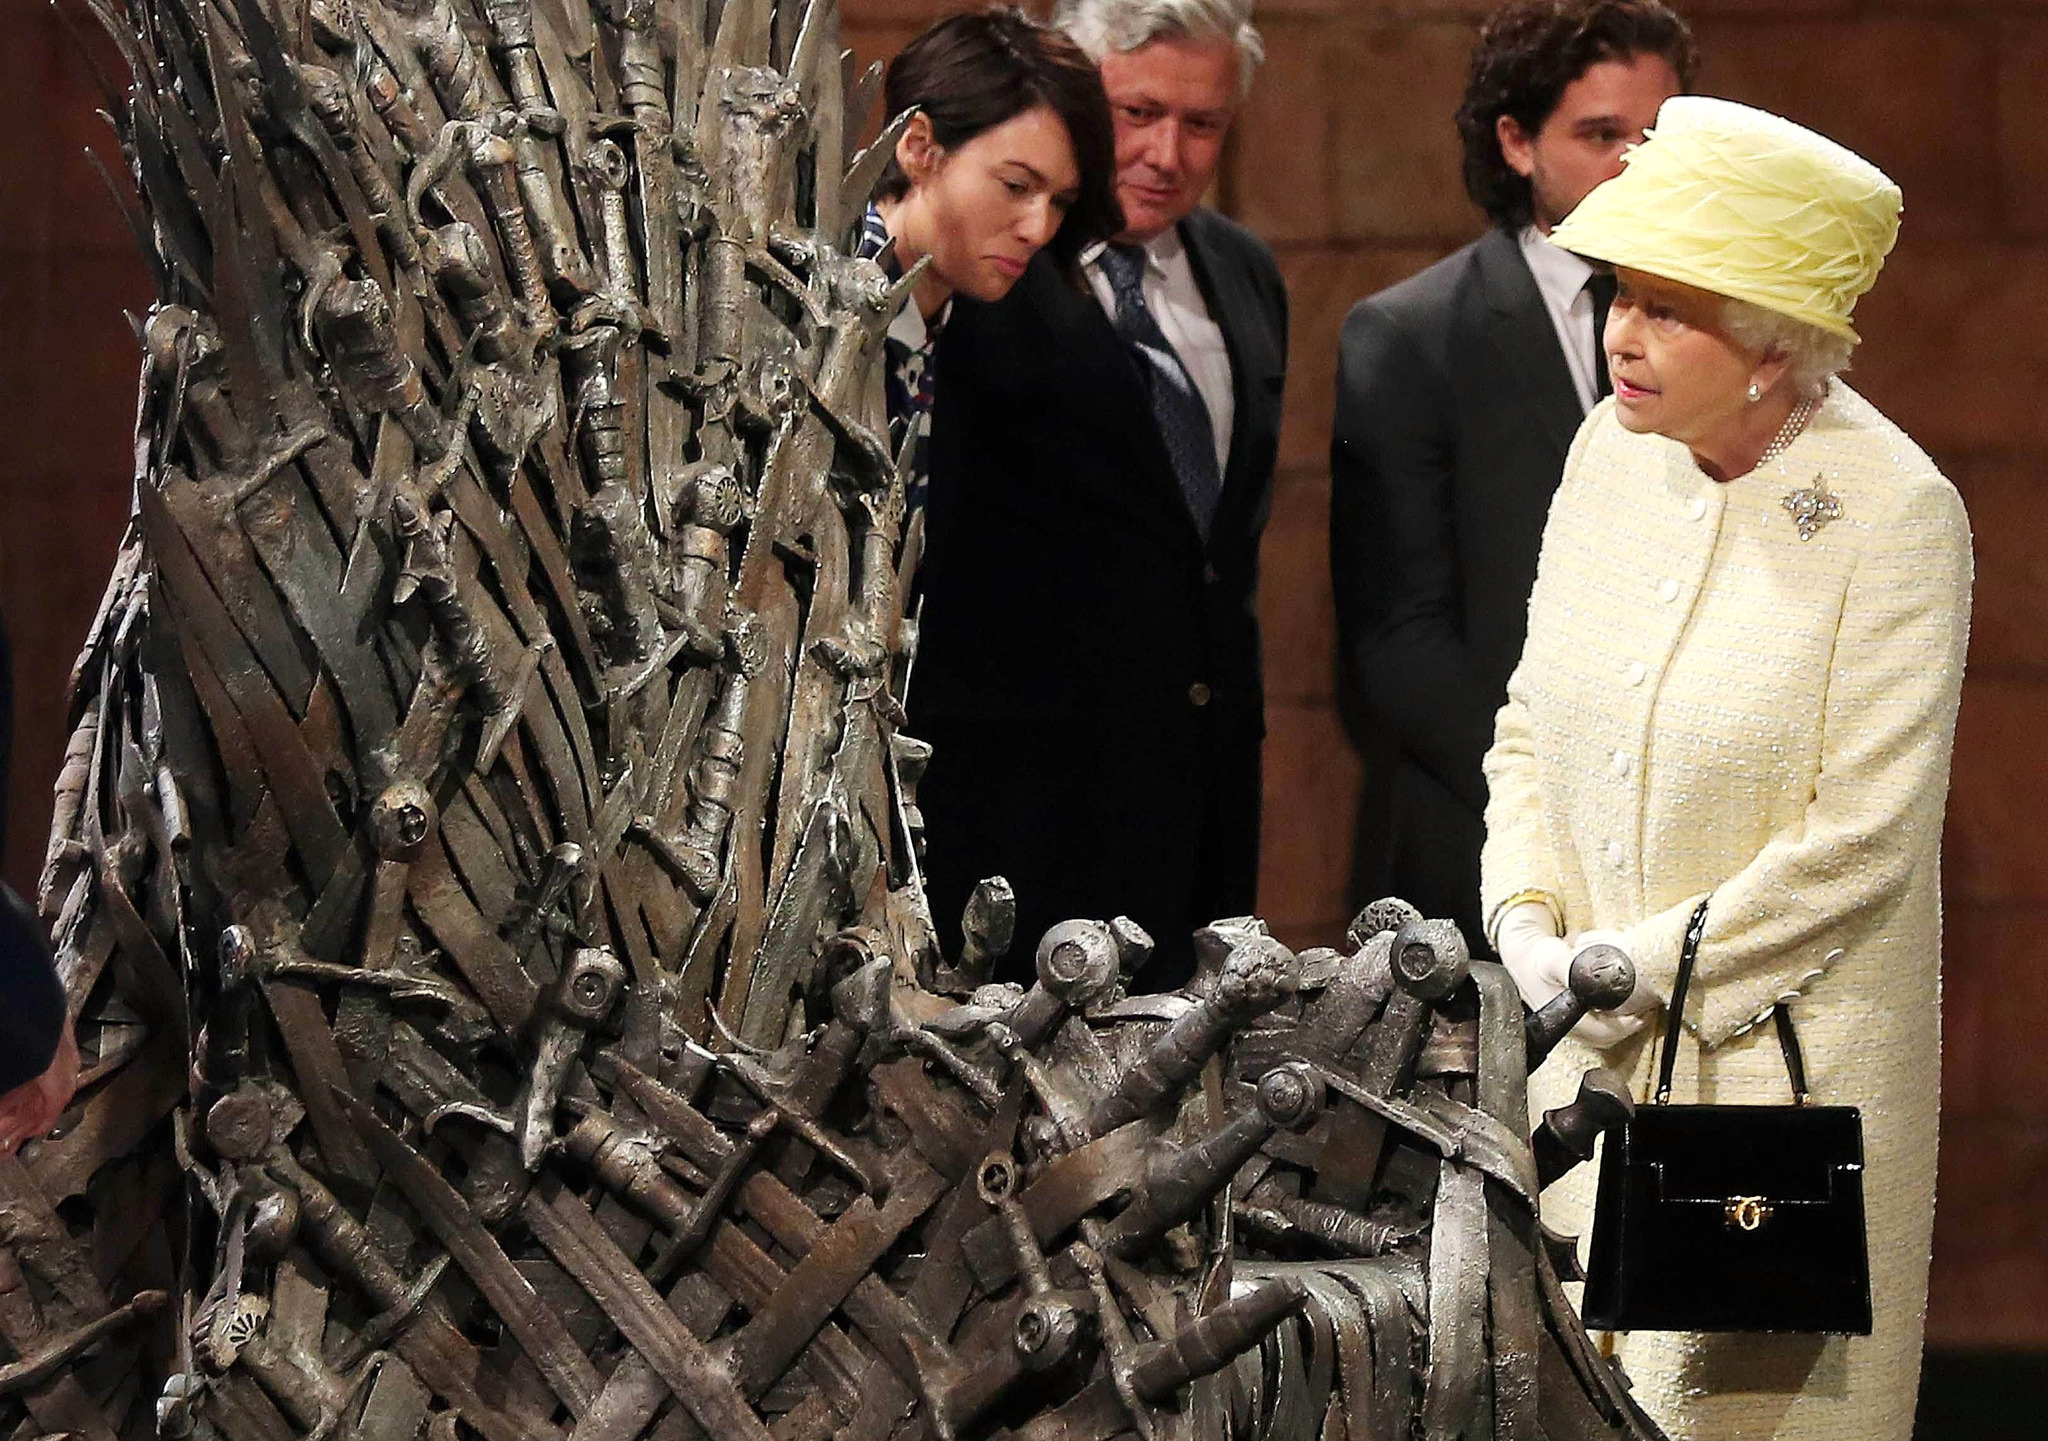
1346,161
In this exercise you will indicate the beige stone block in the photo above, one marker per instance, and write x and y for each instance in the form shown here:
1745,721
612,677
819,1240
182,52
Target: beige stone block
1954,346
1312,781
1989,1286
1297,619
1396,88
2009,620
1281,174
1916,95
1323,283
2023,127
1994,847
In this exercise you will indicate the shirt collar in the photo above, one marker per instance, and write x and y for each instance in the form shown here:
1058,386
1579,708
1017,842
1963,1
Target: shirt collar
909,328
874,234
1559,274
1160,251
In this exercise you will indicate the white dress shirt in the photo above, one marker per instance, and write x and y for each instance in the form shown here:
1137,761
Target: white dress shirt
1561,277
910,328
1175,301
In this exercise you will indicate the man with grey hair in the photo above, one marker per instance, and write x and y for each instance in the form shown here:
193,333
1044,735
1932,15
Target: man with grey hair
1102,464
1117,27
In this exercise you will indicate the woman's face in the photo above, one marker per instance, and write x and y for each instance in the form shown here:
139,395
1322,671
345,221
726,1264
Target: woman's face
982,209
1676,372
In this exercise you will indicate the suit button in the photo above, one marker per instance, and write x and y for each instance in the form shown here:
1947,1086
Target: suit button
1668,590
1636,672
1621,763
1199,693
1617,854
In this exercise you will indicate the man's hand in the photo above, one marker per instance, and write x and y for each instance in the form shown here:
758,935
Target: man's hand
31,1108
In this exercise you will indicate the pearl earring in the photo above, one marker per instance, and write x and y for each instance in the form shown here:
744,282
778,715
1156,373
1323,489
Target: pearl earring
1756,392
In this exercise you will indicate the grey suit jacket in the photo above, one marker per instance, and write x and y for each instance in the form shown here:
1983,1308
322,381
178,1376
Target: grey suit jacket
1454,413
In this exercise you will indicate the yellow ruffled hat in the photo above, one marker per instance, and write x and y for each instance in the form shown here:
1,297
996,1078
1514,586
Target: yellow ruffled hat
1745,204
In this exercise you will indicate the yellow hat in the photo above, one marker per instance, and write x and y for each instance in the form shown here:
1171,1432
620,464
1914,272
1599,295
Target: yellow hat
1745,204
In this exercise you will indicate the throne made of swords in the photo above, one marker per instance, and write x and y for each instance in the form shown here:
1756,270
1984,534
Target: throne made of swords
485,870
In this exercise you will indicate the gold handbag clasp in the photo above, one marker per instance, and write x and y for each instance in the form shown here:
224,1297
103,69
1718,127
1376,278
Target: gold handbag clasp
1747,1212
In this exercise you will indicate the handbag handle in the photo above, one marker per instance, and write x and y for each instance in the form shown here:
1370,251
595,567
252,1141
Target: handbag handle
1788,1038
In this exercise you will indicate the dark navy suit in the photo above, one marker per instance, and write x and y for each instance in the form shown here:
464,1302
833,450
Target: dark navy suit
1088,669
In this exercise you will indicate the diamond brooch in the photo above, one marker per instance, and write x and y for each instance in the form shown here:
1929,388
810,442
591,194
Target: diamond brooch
1812,508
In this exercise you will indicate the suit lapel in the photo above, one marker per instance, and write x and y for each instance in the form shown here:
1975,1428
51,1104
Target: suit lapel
1521,331
1085,344
1105,385
1237,313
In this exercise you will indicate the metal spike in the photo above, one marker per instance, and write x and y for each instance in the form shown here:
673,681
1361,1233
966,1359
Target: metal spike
867,167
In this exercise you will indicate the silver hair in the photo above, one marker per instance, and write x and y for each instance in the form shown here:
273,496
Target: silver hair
1816,355
1106,27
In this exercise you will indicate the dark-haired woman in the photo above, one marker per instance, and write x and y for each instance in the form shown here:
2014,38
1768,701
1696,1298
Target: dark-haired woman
1010,151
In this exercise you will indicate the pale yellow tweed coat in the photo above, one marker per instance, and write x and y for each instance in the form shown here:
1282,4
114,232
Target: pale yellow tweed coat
1708,703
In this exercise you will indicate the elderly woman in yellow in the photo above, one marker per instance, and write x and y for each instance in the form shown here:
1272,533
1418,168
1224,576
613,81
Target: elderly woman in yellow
1744,656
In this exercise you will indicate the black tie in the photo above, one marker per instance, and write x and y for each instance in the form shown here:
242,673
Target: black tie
1177,405
1601,285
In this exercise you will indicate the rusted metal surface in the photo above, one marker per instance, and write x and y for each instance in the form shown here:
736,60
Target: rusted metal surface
485,865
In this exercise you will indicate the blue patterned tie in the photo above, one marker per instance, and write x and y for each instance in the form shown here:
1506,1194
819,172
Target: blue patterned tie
1176,404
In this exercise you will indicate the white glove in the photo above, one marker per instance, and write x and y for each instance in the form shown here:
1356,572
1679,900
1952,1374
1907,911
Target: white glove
1537,957
1603,1030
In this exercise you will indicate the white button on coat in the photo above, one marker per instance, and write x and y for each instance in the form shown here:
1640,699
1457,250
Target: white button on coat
1617,854
1698,509
1637,672
1621,763
1669,590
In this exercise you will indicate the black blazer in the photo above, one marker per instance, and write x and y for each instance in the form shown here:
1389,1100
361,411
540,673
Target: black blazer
1454,413
1088,669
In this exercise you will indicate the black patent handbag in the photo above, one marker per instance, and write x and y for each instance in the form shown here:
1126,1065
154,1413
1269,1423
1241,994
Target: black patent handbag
1730,1218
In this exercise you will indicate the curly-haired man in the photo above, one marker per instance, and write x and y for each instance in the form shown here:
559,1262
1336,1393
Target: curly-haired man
1458,393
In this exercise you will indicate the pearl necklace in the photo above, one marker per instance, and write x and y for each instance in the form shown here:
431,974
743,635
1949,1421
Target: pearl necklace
1789,431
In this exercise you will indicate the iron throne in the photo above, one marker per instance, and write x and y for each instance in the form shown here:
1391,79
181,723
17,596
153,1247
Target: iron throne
485,867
